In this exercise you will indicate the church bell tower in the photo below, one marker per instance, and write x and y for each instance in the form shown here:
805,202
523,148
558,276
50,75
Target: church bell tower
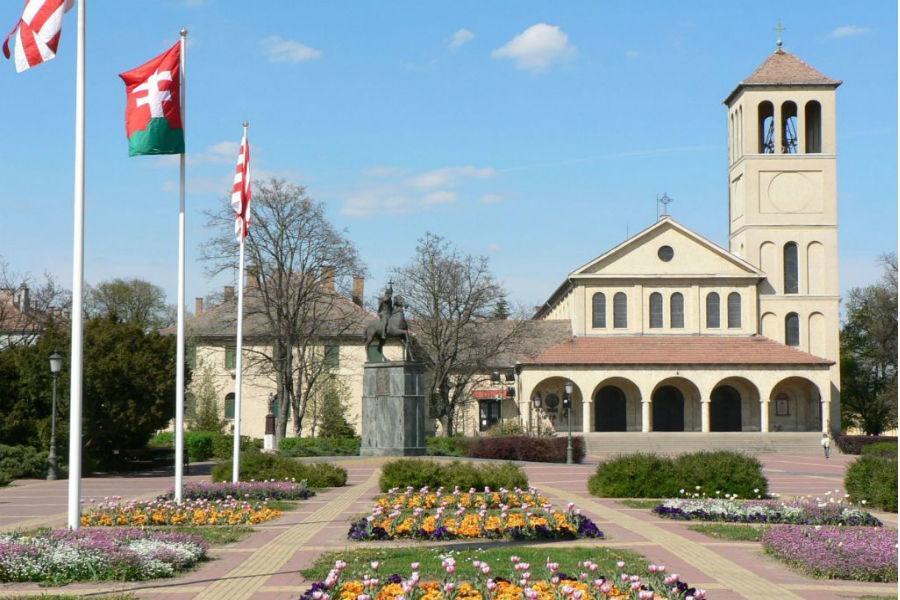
782,190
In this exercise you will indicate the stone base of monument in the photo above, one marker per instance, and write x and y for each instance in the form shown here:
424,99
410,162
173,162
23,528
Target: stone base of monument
393,409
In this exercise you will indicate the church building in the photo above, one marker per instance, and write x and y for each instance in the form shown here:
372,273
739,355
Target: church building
671,332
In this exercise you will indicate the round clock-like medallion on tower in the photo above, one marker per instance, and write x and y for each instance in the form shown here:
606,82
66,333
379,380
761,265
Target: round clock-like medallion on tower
790,191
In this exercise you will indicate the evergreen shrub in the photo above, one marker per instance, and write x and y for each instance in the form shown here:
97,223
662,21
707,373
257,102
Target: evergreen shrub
320,446
873,479
260,466
420,473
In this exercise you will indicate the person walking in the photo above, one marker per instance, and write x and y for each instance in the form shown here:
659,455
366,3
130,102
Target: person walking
826,444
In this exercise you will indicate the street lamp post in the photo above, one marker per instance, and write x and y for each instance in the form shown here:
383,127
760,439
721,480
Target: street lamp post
537,402
55,367
567,402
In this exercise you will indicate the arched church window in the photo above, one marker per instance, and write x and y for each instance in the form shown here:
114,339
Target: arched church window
765,127
229,406
734,310
656,310
620,310
813,126
789,128
676,311
791,269
598,310
792,329
712,310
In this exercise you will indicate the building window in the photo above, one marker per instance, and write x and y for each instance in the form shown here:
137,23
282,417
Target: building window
489,414
789,128
620,310
734,310
656,310
332,357
229,406
766,128
665,253
782,405
813,120
598,310
676,311
791,269
792,329
230,357
712,310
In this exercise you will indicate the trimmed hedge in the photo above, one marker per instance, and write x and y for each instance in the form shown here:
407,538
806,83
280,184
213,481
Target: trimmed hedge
420,473
204,445
448,446
319,446
527,448
654,476
21,462
853,444
884,449
874,479
261,466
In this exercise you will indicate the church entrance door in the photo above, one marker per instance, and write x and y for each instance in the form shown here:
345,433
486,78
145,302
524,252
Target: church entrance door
668,409
609,409
725,409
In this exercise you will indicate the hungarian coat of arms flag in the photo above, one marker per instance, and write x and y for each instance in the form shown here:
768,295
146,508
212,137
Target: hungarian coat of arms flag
153,119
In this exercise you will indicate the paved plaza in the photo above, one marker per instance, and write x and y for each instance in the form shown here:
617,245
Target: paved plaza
265,565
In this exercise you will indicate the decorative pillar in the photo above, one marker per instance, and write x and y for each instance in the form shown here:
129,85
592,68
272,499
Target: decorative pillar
586,414
704,415
645,416
764,415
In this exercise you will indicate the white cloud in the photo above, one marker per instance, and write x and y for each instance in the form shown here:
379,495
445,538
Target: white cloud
448,176
537,48
280,50
392,190
848,31
492,199
462,36
632,54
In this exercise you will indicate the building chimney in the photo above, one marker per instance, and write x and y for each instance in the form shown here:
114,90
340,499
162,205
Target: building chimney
198,306
328,278
228,293
23,299
250,276
359,287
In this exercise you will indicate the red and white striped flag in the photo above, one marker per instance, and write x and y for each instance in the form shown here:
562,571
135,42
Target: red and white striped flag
36,35
241,193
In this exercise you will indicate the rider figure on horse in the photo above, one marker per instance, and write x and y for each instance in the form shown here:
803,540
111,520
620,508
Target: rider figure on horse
386,308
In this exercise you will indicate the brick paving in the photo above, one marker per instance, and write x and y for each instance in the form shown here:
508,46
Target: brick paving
265,565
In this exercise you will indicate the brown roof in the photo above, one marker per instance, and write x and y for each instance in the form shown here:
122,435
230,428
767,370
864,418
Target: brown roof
674,350
784,68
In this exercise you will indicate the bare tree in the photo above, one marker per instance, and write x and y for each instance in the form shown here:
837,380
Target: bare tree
452,299
299,273
27,306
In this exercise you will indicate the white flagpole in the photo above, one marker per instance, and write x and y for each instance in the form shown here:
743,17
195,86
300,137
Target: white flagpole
77,352
239,350
179,351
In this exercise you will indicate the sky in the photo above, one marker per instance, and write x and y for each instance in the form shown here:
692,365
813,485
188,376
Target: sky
538,134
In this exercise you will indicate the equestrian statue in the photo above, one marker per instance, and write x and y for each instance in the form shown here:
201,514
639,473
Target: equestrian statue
390,324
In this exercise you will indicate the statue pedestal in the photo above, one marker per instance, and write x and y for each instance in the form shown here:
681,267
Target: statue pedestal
393,409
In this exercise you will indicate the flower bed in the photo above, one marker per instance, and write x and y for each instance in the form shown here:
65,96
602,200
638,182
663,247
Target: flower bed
435,515
245,490
517,582
858,553
806,511
62,556
427,498
114,512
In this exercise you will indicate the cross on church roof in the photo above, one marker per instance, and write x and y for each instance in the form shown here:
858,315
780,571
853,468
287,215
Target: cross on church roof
779,28
665,200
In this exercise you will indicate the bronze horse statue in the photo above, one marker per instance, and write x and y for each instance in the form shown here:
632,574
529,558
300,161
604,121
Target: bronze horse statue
396,327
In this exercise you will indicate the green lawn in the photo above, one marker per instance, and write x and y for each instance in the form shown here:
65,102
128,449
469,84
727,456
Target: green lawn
397,560
730,531
640,502
215,535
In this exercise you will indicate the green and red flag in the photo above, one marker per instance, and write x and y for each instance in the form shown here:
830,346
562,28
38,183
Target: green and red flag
153,118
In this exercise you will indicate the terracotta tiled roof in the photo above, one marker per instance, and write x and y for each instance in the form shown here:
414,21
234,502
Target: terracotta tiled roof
784,68
674,350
